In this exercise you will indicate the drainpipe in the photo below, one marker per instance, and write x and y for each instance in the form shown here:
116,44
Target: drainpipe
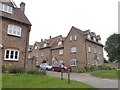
26,48
86,51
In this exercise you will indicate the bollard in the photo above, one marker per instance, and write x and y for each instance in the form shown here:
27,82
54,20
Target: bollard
61,74
68,75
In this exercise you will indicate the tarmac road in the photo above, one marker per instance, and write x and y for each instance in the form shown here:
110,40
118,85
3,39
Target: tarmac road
88,79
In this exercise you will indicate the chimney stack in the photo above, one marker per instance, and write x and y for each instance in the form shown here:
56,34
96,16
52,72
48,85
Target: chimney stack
41,40
22,6
50,37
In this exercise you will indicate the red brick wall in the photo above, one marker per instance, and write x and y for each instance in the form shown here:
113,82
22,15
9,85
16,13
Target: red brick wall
15,42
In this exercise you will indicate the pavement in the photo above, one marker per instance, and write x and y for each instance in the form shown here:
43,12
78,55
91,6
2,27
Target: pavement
88,79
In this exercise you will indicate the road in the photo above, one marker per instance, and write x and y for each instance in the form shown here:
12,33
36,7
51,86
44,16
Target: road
88,79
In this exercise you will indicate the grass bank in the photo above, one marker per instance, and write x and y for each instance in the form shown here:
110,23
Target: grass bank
38,81
113,74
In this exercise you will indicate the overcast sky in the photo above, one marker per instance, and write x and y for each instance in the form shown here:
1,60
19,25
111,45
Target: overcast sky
56,17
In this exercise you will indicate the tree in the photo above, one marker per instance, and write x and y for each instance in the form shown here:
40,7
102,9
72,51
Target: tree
112,47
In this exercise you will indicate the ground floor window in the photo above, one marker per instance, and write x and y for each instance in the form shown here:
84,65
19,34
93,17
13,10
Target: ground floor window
73,62
11,54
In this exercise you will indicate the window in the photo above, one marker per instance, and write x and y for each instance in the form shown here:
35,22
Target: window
73,49
94,39
45,45
61,52
60,43
89,49
89,36
6,8
29,56
36,47
94,50
75,38
73,62
11,54
14,30
70,38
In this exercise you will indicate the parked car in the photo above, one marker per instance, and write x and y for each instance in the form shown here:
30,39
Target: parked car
60,67
45,66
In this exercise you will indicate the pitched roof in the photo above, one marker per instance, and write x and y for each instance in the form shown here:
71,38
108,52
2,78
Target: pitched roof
17,15
84,33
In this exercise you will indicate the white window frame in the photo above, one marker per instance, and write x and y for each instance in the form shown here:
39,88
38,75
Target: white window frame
73,49
61,52
60,43
45,45
14,30
36,47
9,55
89,36
6,8
75,38
73,62
95,50
89,49
71,38
29,56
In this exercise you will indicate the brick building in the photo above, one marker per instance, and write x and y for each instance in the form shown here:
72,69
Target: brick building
15,28
78,49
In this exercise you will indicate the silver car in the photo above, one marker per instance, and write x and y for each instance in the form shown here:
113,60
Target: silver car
45,66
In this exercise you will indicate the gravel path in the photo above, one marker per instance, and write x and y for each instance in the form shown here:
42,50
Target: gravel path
88,79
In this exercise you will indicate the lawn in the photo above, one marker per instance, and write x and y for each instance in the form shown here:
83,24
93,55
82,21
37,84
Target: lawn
113,74
38,81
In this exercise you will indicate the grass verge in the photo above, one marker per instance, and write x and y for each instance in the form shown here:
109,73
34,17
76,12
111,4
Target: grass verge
39,81
113,74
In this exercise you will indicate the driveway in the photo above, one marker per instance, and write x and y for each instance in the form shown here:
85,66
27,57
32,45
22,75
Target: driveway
88,79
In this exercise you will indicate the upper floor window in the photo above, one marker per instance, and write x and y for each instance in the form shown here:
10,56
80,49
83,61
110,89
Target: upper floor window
73,62
14,30
60,43
6,8
95,50
73,49
45,45
75,38
94,39
70,38
11,54
89,49
36,47
89,36
61,52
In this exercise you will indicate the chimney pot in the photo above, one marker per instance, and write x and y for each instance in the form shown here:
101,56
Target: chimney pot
22,6
50,37
41,40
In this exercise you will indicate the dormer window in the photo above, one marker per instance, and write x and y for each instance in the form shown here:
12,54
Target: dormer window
88,36
94,39
60,43
91,38
45,45
6,8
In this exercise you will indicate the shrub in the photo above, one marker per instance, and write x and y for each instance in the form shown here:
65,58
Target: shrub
16,70
87,68
105,67
42,72
94,68
82,70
